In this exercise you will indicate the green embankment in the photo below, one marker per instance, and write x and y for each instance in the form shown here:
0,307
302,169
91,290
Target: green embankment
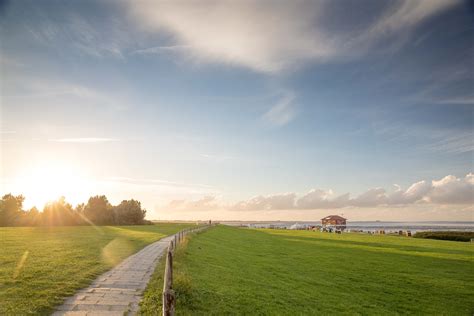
39,266
228,270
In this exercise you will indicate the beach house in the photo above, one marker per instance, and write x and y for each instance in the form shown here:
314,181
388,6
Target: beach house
333,222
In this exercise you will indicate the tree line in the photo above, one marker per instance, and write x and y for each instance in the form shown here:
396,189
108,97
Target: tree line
97,211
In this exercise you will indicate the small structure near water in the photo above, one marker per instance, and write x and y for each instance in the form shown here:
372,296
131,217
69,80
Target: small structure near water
334,222
297,226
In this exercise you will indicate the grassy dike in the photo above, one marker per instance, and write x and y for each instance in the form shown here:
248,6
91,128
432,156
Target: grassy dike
229,270
39,266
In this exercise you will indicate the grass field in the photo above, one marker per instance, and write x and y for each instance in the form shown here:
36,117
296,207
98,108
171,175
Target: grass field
228,270
39,266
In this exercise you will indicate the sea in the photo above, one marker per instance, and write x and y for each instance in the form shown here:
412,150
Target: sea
367,226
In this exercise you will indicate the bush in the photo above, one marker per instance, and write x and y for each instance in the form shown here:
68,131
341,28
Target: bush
455,236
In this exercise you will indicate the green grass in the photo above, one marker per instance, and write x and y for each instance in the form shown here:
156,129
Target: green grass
40,266
228,270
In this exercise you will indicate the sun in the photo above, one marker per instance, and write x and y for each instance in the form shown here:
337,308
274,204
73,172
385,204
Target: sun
48,181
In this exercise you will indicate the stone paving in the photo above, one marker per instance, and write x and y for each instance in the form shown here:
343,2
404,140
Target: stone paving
117,291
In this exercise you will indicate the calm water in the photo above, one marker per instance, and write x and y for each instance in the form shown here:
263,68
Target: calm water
370,226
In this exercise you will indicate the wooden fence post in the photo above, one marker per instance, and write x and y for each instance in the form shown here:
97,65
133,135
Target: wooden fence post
168,298
168,293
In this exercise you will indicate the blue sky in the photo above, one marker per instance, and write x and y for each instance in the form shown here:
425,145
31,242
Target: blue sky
242,109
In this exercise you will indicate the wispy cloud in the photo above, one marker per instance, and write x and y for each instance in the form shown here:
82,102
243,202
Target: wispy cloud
139,181
244,33
405,15
253,34
282,112
445,84
466,100
84,140
9,61
216,158
435,140
47,90
151,191
273,38
161,49
455,143
84,36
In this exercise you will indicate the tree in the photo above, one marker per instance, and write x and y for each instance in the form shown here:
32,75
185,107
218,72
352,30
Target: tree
80,208
11,208
59,213
129,212
32,217
99,211
79,211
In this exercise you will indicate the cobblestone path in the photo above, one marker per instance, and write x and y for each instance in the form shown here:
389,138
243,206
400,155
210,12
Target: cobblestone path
117,291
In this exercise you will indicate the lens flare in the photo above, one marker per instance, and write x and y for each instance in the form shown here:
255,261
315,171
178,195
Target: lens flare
20,264
116,250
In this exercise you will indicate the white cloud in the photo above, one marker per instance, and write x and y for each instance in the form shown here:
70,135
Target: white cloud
447,191
263,37
371,197
283,201
453,190
321,199
271,38
416,192
207,203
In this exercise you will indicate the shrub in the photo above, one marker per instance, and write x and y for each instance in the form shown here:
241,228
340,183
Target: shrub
450,235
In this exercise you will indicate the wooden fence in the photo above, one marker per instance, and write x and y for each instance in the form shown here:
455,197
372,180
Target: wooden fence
169,298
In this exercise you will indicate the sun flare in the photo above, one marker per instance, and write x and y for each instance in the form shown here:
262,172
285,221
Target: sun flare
48,181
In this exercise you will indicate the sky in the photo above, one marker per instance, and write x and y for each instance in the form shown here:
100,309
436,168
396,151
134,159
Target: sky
242,110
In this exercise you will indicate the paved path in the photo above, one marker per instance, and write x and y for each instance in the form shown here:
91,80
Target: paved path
118,291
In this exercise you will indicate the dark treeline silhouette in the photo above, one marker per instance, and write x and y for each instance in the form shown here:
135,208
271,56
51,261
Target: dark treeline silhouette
97,211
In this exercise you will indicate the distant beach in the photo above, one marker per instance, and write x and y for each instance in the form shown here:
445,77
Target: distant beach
365,225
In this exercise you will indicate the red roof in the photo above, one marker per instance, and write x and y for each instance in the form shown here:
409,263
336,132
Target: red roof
333,217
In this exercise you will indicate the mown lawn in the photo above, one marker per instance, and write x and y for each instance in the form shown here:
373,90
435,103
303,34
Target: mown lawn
39,266
229,270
